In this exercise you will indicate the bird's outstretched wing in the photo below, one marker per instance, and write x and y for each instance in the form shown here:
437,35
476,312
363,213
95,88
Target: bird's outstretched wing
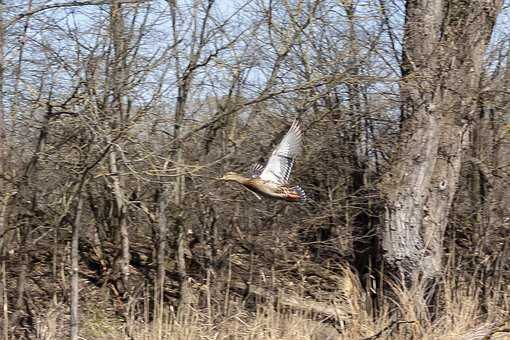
279,165
256,169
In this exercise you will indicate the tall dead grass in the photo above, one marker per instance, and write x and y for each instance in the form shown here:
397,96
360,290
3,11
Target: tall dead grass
464,311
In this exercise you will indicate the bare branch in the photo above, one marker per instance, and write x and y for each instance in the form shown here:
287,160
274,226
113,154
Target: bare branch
67,5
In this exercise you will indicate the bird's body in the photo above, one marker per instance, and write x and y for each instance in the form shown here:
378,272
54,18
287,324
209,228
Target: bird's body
272,180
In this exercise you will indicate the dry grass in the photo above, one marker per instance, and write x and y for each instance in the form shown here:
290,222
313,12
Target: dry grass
464,312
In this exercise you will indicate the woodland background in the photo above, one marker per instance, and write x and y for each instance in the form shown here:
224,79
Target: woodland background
117,118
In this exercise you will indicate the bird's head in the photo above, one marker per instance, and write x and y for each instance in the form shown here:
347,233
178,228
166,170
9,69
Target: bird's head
232,176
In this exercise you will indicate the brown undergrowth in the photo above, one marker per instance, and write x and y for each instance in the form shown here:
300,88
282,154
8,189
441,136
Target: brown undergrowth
465,310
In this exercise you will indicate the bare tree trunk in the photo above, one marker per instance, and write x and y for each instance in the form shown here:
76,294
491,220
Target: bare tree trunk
178,200
118,189
3,283
184,82
3,132
162,234
5,199
119,69
4,301
361,227
75,269
444,46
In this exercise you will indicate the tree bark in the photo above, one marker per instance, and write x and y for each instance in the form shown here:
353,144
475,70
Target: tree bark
118,122
3,131
161,249
3,184
444,44
4,303
75,269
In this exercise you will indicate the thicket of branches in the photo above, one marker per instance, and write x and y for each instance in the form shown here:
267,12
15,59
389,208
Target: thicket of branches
118,117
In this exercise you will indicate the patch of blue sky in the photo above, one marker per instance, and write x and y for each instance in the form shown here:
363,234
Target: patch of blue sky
76,32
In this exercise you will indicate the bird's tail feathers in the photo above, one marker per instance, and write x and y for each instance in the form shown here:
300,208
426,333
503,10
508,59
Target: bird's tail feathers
301,193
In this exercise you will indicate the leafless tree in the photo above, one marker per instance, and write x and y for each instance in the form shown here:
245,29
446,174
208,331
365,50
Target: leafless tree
118,117
442,65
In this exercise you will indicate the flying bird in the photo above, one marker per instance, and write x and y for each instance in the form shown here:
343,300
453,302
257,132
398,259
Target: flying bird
272,180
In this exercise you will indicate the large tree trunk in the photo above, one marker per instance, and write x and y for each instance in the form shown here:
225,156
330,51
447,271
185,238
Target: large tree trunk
119,106
443,51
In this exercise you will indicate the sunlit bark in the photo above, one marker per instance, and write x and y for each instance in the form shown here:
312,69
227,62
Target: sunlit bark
444,47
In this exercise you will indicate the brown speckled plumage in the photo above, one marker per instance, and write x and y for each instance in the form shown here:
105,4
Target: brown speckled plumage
272,180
